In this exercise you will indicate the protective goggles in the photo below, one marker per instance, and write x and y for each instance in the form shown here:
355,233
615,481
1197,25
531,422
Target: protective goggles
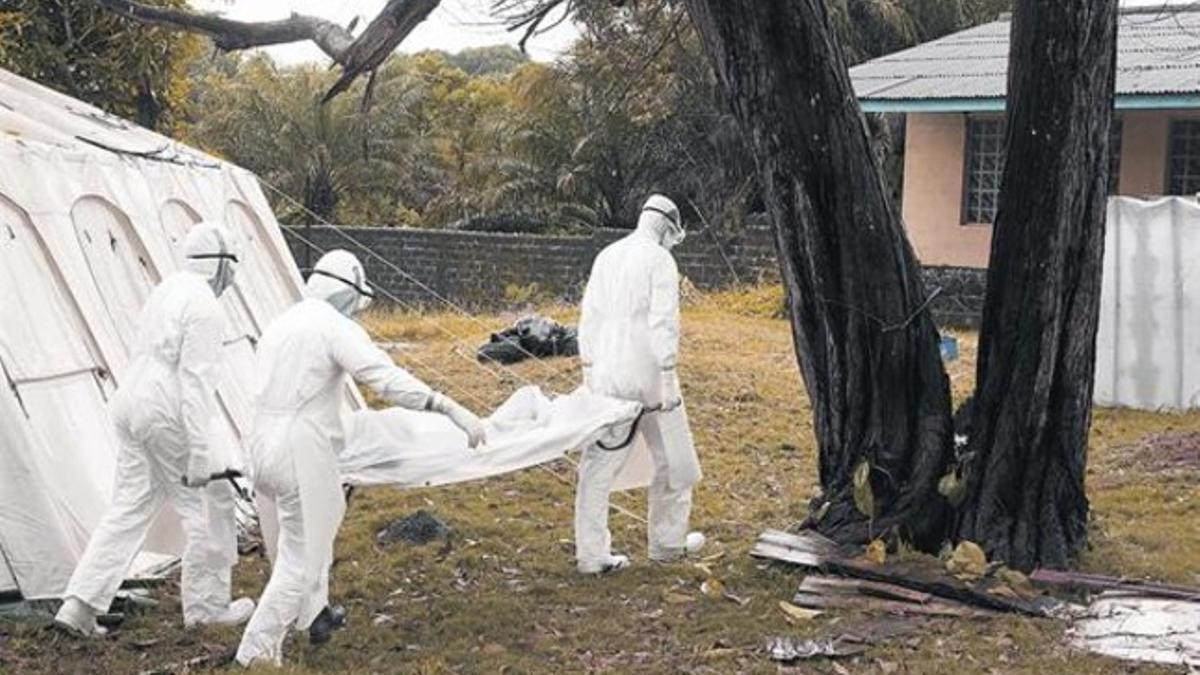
214,256
368,295
676,235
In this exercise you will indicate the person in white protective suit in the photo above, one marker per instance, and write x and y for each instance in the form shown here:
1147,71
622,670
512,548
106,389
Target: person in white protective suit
303,359
629,345
163,414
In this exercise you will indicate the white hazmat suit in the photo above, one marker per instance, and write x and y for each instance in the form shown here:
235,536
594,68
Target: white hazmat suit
163,414
303,359
629,345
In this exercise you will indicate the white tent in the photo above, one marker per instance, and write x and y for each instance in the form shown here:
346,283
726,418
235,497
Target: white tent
92,213
1148,339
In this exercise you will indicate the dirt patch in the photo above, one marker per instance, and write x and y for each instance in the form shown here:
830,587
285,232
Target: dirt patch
1164,451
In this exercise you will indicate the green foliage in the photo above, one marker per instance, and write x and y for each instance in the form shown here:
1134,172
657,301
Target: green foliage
493,60
487,140
126,68
342,163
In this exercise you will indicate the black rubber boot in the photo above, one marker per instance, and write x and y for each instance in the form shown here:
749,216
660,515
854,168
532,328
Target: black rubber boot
329,620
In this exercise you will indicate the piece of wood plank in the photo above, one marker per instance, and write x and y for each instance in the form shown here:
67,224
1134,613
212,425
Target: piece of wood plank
814,583
781,554
872,604
1096,583
808,541
795,549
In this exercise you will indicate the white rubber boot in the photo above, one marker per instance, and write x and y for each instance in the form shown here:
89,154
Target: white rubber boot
614,563
79,619
237,613
693,542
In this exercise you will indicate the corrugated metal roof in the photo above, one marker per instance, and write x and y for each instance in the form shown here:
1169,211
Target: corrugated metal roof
1158,53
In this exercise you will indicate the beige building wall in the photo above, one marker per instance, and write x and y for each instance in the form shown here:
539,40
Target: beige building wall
933,193
934,161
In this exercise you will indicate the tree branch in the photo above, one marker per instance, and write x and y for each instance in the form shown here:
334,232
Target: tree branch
231,35
356,56
381,37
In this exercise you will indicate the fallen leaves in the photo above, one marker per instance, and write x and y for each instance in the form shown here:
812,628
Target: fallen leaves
677,598
864,498
793,613
712,588
968,561
876,552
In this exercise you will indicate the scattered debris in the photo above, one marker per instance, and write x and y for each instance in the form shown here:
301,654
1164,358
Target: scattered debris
1129,619
675,598
796,649
876,552
144,643
741,601
533,336
712,588
794,613
968,562
1080,583
215,658
417,528
1158,630
938,592
849,641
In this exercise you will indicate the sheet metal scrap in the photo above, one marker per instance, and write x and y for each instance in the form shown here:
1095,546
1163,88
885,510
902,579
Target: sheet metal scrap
899,588
797,649
1156,630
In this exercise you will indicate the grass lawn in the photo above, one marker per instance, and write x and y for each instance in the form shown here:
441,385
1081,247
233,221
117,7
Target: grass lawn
503,595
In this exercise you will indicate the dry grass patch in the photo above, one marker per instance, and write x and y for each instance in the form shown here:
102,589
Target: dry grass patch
502,596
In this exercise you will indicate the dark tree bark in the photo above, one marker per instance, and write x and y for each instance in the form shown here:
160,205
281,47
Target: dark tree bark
867,348
1027,452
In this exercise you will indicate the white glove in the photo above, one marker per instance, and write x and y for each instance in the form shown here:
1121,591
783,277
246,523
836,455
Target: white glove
464,419
197,474
587,376
671,398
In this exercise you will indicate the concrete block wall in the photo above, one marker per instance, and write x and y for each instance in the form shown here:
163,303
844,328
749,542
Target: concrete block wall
960,301
488,270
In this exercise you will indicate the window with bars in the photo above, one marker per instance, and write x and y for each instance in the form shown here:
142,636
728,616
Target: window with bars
1183,165
984,164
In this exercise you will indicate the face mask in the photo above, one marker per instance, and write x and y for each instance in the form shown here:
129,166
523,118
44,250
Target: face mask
674,234
354,300
673,237
223,277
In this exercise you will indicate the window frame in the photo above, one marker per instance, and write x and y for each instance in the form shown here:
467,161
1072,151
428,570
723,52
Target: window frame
964,210
1169,160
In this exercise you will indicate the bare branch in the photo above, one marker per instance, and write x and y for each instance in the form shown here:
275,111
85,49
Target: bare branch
529,19
356,56
232,35
381,37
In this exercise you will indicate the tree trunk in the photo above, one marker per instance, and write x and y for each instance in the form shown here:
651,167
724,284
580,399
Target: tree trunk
866,345
1027,452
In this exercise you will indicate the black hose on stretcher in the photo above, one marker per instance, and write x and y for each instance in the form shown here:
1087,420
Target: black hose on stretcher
230,475
633,427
